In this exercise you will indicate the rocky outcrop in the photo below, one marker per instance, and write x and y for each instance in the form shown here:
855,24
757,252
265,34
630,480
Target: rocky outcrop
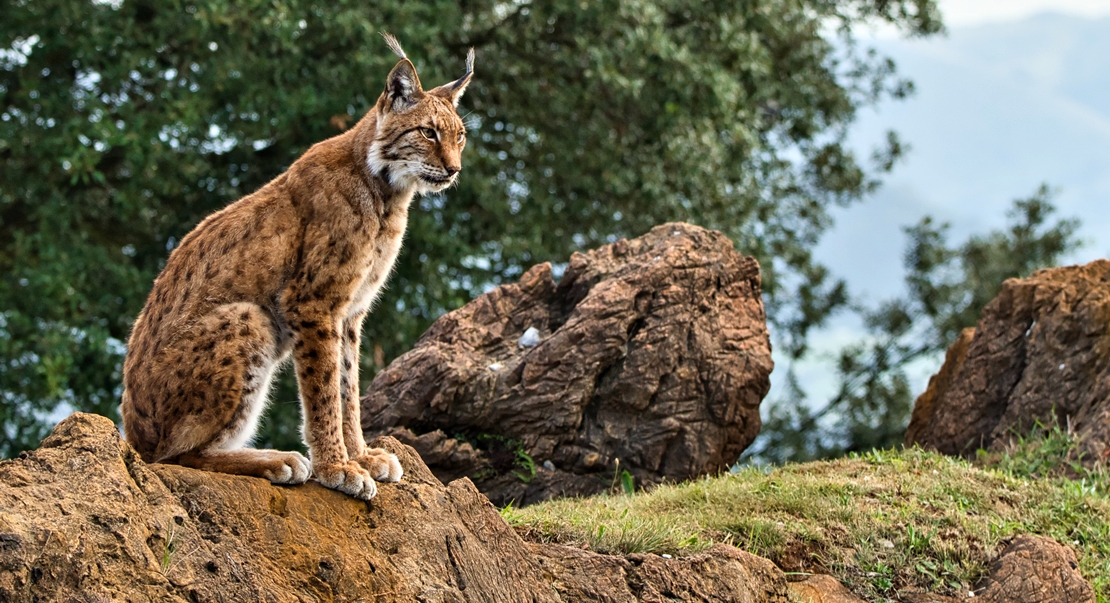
1035,569
1040,353
84,519
1030,569
653,352
924,408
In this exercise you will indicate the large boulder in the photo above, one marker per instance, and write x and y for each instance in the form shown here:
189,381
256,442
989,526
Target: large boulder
1029,569
649,356
84,519
1035,569
1039,355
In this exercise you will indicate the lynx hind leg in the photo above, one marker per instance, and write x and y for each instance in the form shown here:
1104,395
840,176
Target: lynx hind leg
277,466
382,465
223,368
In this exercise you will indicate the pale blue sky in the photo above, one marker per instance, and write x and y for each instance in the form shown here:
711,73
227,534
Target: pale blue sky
962,13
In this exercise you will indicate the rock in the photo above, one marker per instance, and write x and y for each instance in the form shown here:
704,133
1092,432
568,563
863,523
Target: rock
1035,569
822,588
918,595
1031,569
84,519
1040,353
723,573
653,352
924,408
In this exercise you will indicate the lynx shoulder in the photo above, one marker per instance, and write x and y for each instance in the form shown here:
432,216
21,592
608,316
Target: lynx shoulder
290,270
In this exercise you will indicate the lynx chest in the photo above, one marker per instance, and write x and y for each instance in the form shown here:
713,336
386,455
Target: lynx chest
382,255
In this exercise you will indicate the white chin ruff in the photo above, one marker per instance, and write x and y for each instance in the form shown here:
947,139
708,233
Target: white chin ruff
424,187
402,175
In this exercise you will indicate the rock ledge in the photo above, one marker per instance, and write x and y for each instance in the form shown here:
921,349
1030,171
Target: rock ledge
84,519
1040,354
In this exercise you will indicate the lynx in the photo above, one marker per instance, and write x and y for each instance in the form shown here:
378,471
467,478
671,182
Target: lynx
291,269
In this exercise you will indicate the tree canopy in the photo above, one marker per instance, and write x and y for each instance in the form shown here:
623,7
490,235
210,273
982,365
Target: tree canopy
124,122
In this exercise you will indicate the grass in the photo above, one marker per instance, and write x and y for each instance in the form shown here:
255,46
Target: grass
169,548
879,522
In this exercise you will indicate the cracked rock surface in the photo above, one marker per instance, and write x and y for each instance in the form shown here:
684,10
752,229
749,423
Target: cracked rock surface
1040,353
1035,569
653,351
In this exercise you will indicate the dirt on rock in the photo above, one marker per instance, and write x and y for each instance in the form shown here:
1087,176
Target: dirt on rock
653,352
1040,355
84,519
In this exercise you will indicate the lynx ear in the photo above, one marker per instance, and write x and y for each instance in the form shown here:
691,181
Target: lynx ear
455,89
402,88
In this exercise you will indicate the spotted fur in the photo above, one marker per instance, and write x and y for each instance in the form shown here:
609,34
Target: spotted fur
290,270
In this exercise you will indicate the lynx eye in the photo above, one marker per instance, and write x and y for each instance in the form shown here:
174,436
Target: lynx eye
428,133
462,135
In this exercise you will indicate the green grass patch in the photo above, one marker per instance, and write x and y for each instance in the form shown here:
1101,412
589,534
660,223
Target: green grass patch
879,522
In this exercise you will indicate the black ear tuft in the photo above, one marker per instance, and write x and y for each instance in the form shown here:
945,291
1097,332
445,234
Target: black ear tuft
394,45
455,89
402,88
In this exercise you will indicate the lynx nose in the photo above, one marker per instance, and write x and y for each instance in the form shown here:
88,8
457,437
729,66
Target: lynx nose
452,170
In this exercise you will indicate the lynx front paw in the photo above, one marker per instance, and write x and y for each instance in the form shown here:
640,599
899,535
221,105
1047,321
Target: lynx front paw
381,464
348,477
288,468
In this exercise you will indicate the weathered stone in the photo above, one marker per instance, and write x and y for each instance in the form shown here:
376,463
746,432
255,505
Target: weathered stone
653,351
84,519
822,588
924,408
1040,353
1035,569
723,573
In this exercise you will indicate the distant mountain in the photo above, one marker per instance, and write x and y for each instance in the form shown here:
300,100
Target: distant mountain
999,109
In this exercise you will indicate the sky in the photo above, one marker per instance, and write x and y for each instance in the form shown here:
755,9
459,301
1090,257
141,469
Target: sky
1015,95
964,13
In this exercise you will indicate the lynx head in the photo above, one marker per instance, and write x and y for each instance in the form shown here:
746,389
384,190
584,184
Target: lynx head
420,137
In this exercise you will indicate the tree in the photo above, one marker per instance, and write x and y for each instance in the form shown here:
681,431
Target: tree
124,122
947,287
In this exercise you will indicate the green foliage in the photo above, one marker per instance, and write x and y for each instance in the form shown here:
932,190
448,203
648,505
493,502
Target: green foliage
505,455
628,483
122,124
947,288
169,548
527,471
623,481
1050,452
509,513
